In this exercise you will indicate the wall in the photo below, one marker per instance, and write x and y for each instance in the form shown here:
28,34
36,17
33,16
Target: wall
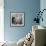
29,7
43,6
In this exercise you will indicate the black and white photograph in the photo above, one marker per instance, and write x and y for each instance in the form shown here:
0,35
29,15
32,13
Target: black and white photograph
17,19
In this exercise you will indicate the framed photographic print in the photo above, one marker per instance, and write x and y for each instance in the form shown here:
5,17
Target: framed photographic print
17,19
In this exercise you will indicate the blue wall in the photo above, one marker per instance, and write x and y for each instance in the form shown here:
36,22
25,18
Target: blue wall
29,7
43,6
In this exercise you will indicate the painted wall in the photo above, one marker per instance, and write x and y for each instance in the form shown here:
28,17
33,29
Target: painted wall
43,6
29,7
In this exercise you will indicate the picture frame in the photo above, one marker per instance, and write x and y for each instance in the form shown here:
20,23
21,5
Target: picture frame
17,19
